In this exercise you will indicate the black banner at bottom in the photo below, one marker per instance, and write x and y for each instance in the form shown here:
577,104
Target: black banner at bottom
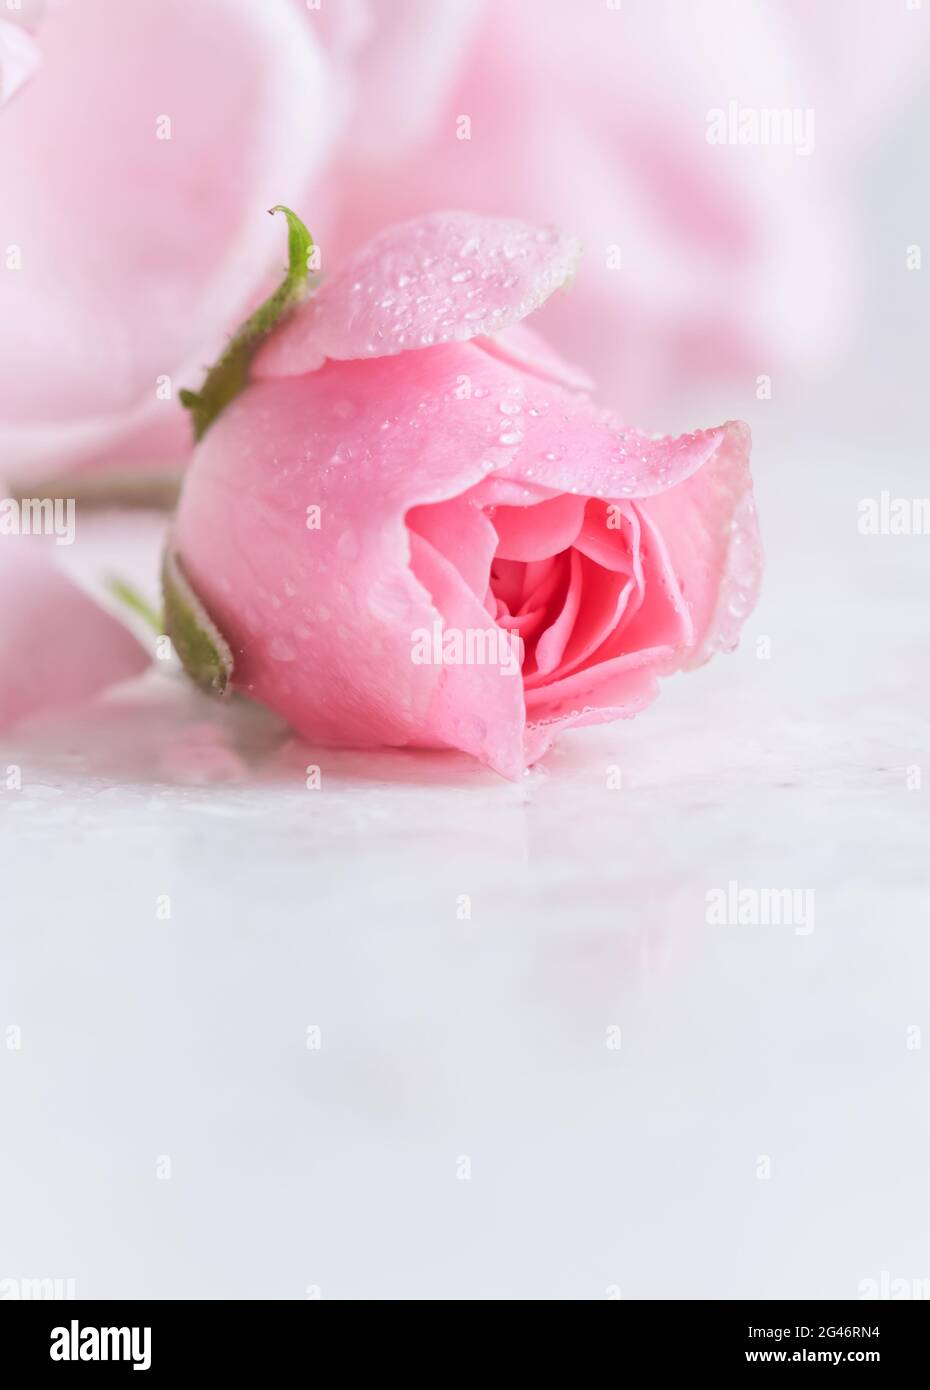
155,1338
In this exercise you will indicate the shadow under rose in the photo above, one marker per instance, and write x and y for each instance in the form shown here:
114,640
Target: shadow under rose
160,730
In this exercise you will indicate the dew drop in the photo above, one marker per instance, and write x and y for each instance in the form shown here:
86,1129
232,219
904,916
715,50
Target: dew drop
279,650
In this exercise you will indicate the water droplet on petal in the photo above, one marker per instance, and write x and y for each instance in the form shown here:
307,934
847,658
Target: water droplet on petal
279,650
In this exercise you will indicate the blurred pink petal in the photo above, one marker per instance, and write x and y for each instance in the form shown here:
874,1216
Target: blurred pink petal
19,58
59,648
408,54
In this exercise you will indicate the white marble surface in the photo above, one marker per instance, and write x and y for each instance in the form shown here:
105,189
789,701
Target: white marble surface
592,1169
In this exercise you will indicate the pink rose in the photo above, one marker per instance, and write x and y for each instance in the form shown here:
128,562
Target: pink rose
413,529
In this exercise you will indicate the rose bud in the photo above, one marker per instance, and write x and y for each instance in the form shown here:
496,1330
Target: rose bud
414,527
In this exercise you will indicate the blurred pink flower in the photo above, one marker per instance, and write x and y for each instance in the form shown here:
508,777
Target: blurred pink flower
701,260
135,166
412,530
135,253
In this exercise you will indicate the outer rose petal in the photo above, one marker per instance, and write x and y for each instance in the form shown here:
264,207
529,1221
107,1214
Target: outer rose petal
446,277
523,347
19,58
59,648
627,692
711,534
551,441
591,453
165,237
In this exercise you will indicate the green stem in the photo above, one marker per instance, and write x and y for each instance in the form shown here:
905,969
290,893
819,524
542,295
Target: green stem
130,596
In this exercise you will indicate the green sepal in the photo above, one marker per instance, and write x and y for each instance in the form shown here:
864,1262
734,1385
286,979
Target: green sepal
230,373
200,646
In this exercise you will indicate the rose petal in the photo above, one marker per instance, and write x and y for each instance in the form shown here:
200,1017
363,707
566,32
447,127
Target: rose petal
583,449
708,526
59,648
543,580
495,491
461,533
19,59
445,277
606,680
343,30
477,706
624,693
527,625
602,598
540,531
552,643
604,535
508,584
661,618
393,114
